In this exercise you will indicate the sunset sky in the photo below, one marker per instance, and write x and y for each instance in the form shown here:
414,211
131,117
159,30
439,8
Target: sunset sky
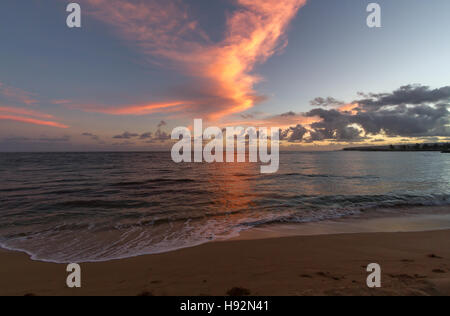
136,69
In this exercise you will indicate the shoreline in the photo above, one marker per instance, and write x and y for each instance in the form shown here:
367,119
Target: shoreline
415,263
392,223
417,219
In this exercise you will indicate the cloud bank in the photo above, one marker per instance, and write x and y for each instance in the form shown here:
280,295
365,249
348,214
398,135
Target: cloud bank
412,111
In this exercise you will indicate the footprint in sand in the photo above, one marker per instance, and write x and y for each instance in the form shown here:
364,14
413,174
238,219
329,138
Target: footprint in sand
433,256
329,276
402,277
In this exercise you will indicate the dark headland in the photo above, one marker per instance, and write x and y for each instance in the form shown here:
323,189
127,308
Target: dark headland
440,147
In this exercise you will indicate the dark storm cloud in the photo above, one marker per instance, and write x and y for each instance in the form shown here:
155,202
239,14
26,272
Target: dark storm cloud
411,111
162,124
293,134
406,121
159,136
288,114
409,94
90,135
146,135
126,135
326,102
334,125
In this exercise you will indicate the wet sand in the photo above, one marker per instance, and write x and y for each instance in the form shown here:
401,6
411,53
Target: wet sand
394,223
413,263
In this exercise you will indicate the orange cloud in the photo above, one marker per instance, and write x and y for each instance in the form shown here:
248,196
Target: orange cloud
135,109
31,121
254,33
37,118
10,113
225,82
282,121
350,108
25,112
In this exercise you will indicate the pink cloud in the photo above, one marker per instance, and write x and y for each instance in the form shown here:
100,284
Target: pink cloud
32,121
28,116
17,95
222,71
142,109
24,112
31,116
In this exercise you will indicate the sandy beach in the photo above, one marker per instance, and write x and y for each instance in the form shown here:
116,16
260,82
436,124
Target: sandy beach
413,263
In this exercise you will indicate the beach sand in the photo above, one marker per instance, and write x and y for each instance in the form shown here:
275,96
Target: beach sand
413,263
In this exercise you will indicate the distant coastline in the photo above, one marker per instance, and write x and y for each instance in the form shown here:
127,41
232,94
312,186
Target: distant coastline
439,147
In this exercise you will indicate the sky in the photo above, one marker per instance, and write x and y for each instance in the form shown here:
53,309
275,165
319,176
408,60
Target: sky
136,69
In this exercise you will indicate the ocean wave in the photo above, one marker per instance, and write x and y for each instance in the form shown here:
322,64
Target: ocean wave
72,242
328,176
104,206
154,181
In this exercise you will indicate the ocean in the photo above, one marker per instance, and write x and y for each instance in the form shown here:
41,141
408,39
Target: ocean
89,207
